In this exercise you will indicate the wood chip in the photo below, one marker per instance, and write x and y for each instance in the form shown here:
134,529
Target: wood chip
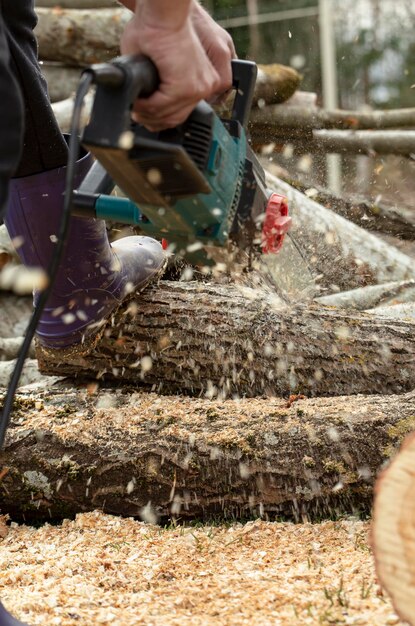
100,569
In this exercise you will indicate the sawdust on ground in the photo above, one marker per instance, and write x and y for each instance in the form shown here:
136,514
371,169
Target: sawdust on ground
101,569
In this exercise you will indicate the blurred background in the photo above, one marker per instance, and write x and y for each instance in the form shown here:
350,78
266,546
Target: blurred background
374,40
366,52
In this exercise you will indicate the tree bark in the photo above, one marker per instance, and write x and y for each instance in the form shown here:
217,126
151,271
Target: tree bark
77,450
393,534
342,254
225,340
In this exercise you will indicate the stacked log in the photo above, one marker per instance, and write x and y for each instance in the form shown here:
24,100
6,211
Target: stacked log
78,449
314,129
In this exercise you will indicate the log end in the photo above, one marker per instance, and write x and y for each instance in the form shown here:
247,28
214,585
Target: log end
276,83
393,531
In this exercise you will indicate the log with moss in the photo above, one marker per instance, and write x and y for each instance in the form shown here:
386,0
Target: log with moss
148,455
222,340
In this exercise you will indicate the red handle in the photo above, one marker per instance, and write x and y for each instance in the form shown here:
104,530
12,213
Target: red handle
277,223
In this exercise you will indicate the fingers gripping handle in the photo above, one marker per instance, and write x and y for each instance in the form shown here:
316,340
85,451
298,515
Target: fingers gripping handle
126,78
141,73
137,73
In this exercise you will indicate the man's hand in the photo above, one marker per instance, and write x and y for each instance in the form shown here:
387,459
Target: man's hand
218,45
191,52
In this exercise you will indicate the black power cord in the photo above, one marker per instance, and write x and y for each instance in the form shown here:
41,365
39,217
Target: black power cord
74,144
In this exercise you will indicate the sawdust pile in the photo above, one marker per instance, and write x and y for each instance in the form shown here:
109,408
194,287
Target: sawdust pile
101,569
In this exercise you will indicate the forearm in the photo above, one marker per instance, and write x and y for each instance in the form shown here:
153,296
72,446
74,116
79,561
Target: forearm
161,13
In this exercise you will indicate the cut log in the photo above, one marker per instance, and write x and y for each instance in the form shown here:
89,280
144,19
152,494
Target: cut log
369,142
344,255
393,531
225,340
304,118
372,296
76,37
77,450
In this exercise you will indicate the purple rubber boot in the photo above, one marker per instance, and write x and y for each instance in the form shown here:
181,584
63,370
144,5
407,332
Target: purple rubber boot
8,620
94,276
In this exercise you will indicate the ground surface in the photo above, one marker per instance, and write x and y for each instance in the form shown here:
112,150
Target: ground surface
100,569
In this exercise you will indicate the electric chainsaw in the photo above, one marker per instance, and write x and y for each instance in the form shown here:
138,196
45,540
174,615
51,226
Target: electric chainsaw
198,187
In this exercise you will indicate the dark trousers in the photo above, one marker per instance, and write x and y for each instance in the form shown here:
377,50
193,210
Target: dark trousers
30,139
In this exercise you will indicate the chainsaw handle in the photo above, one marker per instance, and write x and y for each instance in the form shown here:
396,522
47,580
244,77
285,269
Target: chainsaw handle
140,73
144,80
244,75
126,78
